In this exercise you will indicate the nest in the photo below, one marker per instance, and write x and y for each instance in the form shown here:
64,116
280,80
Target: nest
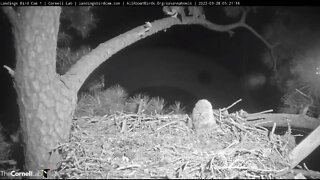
163,146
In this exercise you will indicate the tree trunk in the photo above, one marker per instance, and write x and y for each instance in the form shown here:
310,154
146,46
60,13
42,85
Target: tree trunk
47,100
46,105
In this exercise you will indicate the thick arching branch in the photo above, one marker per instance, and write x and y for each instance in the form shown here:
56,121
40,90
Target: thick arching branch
77,74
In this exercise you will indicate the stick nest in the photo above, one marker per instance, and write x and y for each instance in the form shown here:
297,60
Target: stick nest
163,146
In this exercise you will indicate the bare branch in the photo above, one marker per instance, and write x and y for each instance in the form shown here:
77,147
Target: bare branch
10,71
243,17
231,105
282,120
80,70
269,46
77,74
228,28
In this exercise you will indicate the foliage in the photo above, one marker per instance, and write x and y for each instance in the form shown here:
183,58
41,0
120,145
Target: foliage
81,19
294,102
103,102
137,103
8,160
64,39
66,58
303,89
155,106
115,99
298,59
177,108
4,145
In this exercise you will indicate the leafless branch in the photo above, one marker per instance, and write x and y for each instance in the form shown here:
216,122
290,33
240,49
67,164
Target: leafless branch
282,120
79,71
228,28
10,71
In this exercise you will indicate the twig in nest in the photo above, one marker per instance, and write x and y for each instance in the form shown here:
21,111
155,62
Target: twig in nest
262,112
167,125
271,135
239,126
124,125
129,167
261,127
232,105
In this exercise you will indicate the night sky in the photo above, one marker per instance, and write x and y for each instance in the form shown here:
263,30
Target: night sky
233,58
235,53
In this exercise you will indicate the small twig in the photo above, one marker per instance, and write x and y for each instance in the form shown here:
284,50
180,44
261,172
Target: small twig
252,169
232,143
124,125
265,129
303,94
167,125
241,127
10,71
140,106
262,112
271,135
128,167
231,105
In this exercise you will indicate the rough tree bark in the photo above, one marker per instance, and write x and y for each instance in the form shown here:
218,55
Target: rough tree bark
45,103
47,100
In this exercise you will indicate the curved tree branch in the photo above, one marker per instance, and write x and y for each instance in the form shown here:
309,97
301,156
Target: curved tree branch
242,23
77,74
269,46
282,120
80,70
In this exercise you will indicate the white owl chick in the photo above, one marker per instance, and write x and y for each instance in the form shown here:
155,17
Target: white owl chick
202,115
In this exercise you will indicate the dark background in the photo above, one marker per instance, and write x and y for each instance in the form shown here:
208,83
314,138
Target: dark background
239,54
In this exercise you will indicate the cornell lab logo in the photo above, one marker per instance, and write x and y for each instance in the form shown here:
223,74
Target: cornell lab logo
45,172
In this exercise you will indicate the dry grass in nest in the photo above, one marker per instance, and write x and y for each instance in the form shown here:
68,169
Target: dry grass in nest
162,146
